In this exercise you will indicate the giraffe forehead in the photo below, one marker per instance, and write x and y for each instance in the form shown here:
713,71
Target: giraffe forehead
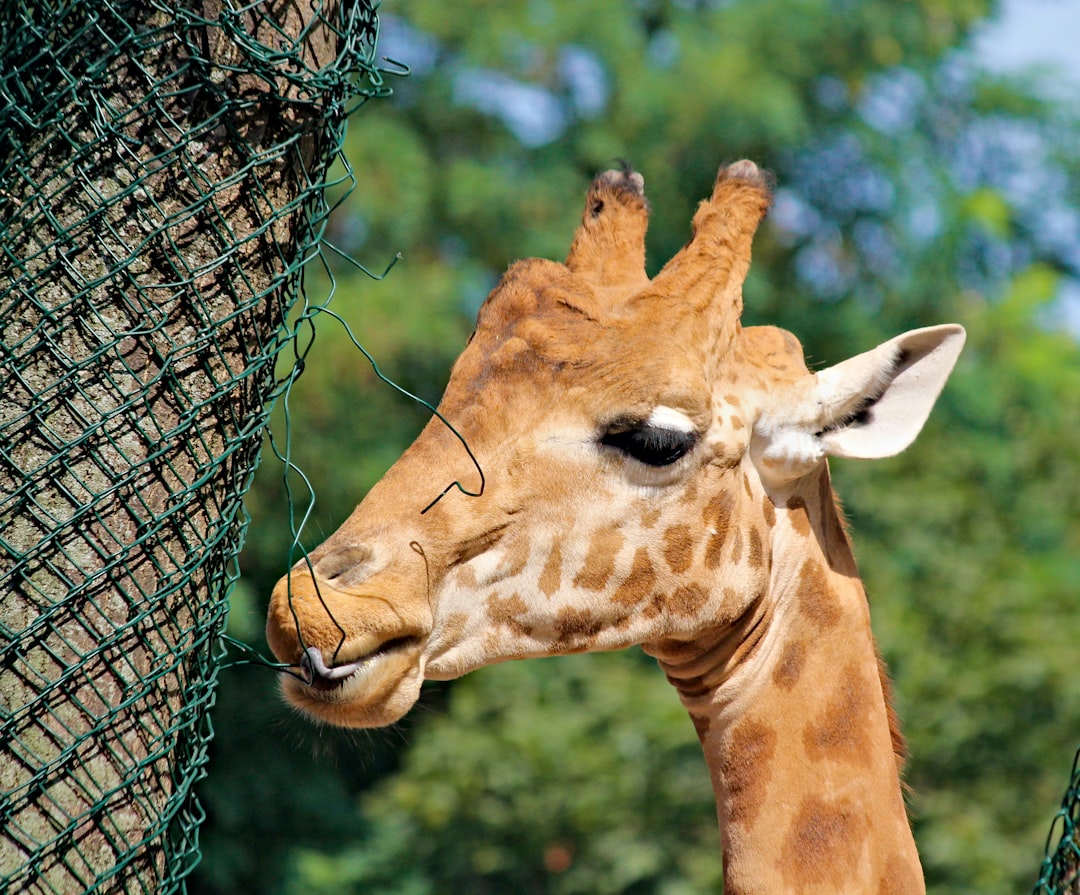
563,319
652,360
601,371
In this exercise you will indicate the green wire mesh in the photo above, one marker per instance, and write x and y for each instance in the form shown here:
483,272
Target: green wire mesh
163,171
1060,872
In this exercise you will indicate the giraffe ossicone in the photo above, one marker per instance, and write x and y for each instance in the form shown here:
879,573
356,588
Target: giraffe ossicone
655,474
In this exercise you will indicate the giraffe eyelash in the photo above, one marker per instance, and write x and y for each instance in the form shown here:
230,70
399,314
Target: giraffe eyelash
651,445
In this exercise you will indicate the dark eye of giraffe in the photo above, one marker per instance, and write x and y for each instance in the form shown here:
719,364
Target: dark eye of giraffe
651,445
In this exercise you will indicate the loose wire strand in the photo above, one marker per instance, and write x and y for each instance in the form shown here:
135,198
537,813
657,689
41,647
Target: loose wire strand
302,347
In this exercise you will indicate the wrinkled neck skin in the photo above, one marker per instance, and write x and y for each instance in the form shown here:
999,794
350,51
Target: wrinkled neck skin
791,712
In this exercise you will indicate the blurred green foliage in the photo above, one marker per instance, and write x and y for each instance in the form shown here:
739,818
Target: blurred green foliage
912,190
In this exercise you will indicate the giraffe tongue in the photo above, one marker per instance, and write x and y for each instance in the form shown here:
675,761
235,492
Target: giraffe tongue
321,676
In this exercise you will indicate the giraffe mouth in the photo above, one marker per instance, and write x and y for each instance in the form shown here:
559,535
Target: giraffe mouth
373,689
319,676
316,673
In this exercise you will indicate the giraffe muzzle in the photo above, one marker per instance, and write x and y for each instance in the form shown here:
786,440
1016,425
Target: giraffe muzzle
357,653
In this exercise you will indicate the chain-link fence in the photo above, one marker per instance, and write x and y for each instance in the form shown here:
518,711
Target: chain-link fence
162,184
1060,872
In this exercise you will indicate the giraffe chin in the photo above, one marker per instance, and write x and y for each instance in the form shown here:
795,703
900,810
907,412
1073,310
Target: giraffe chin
379,692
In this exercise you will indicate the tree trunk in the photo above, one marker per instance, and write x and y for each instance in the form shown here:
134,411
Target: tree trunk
156,167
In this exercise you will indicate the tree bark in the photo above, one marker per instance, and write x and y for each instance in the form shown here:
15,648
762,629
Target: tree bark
155,167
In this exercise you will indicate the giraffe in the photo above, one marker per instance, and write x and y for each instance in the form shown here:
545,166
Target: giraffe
649,472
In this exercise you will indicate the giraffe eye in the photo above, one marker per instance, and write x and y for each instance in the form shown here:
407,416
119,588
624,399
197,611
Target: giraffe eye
651,445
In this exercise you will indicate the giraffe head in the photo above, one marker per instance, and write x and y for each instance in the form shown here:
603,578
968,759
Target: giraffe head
634,440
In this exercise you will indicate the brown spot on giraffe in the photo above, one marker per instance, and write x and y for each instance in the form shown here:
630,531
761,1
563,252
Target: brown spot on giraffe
649,517
679,548
717,519
745,770
714,550
789,668
756,554
572,624
840,731
551,577
507,612
639,583
466,576
656,605
599,563
823,845
717,512
687,600
817,600
517,555
725,457
736,548
768,510
799,516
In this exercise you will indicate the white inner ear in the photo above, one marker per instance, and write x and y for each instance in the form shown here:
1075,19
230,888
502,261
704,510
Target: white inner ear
872,405
664,417
875,404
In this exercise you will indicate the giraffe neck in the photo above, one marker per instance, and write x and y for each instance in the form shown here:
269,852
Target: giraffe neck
793,717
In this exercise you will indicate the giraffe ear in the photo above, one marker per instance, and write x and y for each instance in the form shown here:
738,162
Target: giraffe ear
875,404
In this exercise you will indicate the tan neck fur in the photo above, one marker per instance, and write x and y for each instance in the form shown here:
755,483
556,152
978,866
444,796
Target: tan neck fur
792,712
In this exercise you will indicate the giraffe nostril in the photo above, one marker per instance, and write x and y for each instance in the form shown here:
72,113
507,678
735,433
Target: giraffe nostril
346,563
